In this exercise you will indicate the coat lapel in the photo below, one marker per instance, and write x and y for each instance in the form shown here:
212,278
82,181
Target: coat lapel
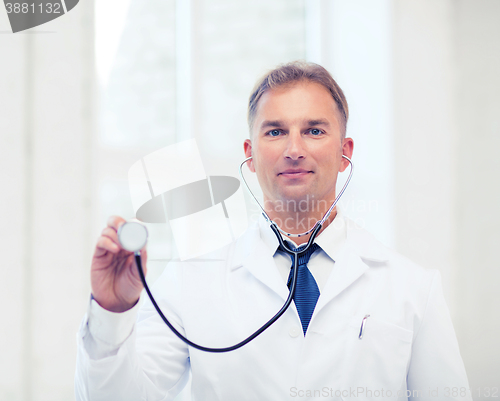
350,264
252,254
348,268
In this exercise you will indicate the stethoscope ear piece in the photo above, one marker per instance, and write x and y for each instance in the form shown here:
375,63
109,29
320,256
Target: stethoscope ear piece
133,236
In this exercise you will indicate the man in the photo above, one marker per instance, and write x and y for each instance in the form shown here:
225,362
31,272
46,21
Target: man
376,327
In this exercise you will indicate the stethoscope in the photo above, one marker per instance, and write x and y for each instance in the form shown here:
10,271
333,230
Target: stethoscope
133,237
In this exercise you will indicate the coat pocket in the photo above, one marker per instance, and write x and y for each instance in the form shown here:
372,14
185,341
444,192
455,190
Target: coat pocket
379,360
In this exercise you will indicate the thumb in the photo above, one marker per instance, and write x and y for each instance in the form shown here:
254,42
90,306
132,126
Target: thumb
144,259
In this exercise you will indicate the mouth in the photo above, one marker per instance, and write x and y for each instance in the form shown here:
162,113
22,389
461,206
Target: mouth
294,173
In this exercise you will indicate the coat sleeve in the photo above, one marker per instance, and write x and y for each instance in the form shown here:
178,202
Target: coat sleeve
119,359
436,369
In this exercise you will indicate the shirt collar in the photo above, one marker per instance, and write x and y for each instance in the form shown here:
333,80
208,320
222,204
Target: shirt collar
331,239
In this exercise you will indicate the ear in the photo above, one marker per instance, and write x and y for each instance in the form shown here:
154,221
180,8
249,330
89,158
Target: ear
247,146
347,149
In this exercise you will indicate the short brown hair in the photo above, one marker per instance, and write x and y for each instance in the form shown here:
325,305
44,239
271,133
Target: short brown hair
298,71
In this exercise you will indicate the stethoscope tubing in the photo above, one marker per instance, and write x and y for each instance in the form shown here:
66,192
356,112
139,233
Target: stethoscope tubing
293,253
264,327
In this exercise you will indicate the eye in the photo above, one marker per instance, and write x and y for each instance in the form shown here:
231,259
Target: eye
315,131
274,132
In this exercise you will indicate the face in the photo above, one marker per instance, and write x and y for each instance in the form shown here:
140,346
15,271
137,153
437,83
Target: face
297,144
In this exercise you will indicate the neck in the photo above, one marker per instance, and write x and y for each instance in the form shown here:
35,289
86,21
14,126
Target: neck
295,220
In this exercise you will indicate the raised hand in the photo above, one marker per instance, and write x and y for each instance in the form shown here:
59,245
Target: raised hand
116,284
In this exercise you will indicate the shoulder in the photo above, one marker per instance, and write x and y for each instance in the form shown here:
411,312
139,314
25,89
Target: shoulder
385,260
403,283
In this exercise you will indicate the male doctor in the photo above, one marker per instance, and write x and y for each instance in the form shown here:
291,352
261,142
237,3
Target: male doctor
374,325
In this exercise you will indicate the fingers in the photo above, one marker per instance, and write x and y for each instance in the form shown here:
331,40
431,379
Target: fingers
106,244
115,222
144,259
144,253
108,241
111,234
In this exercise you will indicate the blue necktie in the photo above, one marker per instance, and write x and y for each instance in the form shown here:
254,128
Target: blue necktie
307,291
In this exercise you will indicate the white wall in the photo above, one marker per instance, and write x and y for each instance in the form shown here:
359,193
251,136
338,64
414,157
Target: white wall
46,128
425,134
477,190
15,161
446,98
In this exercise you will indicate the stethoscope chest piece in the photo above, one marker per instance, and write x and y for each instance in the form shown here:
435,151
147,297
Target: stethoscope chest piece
133,236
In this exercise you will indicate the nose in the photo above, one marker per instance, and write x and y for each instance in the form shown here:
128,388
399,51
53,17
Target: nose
295,149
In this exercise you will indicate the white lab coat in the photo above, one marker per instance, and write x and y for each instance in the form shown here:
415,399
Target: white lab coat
408,345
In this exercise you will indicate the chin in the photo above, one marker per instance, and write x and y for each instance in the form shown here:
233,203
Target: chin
297,192
293,196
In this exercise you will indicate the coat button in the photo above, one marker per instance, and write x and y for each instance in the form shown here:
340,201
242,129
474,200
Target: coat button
294,331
